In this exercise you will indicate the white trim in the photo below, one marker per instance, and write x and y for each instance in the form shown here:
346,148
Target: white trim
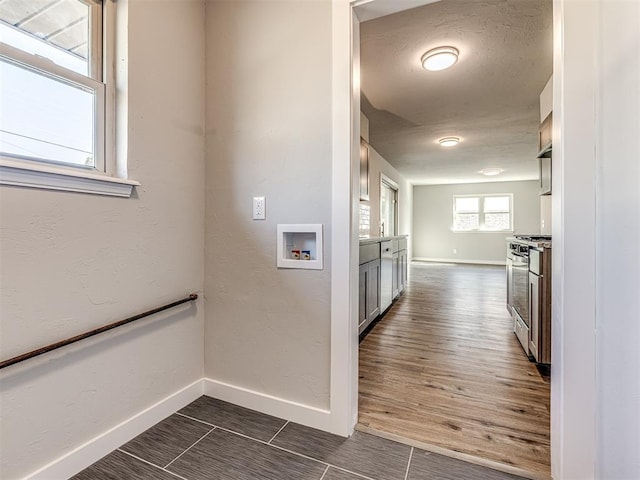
278,407
96,448
345,164
51,177
459,260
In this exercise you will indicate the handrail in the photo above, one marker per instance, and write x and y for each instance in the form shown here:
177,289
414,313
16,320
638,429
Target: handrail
95,331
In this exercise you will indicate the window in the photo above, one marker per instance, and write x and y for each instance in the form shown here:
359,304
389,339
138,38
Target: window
482,213
388,207
54,85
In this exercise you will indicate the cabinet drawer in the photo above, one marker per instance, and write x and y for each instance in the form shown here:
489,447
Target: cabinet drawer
369,252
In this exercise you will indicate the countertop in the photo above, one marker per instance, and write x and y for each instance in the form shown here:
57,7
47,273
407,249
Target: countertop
367,241
534,244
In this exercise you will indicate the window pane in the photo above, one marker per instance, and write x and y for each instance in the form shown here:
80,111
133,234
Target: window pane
497,221
54,29
496,204
466,204
466,221
44,118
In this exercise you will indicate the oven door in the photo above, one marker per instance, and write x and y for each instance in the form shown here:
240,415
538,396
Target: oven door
520,286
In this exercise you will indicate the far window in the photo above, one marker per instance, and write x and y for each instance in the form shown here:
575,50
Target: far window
488,213
52,84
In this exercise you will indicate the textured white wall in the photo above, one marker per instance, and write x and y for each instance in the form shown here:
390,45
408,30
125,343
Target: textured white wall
72,262
617,241
432,219
268,133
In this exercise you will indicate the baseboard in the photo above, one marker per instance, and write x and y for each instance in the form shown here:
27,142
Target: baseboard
93,450
460,260
278,407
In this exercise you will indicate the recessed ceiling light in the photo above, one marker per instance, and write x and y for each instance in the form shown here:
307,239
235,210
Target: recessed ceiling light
439,58
449,141
491,171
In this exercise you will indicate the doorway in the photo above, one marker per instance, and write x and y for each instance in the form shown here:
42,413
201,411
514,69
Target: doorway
444,272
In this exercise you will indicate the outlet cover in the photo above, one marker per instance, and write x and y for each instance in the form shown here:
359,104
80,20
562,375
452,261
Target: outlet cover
259,208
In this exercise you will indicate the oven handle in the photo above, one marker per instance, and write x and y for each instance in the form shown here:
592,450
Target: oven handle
519,260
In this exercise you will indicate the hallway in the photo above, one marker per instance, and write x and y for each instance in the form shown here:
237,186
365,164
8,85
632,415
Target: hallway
443,368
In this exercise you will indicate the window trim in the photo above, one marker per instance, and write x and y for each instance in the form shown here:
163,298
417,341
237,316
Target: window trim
481,213
108,177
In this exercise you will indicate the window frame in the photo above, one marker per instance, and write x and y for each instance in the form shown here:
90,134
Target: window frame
108,176
481,213
395,188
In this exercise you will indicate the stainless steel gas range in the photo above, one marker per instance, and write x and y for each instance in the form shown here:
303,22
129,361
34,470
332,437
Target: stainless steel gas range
529,293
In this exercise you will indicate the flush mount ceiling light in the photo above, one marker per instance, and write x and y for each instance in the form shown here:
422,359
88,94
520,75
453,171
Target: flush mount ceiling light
449,141
491,171
439,58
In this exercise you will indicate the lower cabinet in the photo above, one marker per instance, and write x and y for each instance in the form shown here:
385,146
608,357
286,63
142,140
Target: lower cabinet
382,275
369,294
402,270
395,280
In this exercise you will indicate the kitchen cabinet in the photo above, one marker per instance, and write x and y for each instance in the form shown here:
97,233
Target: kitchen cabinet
545,136
386,275
544,165
400,262
369,285
534,315
382,276
402,273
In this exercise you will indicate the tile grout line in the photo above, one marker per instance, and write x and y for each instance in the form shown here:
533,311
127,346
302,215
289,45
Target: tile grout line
149,463
281,428
192,445
325,473
195,419
293,452
269,445
406,474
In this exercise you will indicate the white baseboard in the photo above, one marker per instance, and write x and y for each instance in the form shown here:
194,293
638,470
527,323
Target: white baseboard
460,260
278,407
93,450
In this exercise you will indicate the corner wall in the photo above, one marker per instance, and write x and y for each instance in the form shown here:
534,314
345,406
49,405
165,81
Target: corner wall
72,262
268,100
432,220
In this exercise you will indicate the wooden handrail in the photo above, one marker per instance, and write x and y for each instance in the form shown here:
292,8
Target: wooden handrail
95,331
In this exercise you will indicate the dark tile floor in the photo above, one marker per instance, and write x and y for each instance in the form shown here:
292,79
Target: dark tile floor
212,439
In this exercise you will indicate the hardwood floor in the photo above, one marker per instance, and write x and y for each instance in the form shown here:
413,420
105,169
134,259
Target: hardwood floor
444,368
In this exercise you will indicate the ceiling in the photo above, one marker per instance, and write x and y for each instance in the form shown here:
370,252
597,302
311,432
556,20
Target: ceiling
490,98
63,23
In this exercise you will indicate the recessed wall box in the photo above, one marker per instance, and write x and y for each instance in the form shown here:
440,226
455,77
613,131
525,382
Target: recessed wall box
295,238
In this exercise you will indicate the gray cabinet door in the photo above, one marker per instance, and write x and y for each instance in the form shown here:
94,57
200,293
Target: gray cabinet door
373,290
362,294
534,316
402,270
396,274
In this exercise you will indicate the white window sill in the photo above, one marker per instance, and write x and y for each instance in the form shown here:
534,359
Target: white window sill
50,177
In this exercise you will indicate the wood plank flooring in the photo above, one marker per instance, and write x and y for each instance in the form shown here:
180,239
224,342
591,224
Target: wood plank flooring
444,368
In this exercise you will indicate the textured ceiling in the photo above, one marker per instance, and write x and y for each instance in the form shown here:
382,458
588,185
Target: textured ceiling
490,98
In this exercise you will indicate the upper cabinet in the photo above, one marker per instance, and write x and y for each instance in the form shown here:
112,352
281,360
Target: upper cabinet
545,138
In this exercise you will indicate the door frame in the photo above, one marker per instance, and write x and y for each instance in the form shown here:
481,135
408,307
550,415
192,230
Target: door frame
573,389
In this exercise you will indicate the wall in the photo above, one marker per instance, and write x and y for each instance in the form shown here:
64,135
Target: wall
617,239
378,165
267,330
432,219
72,262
